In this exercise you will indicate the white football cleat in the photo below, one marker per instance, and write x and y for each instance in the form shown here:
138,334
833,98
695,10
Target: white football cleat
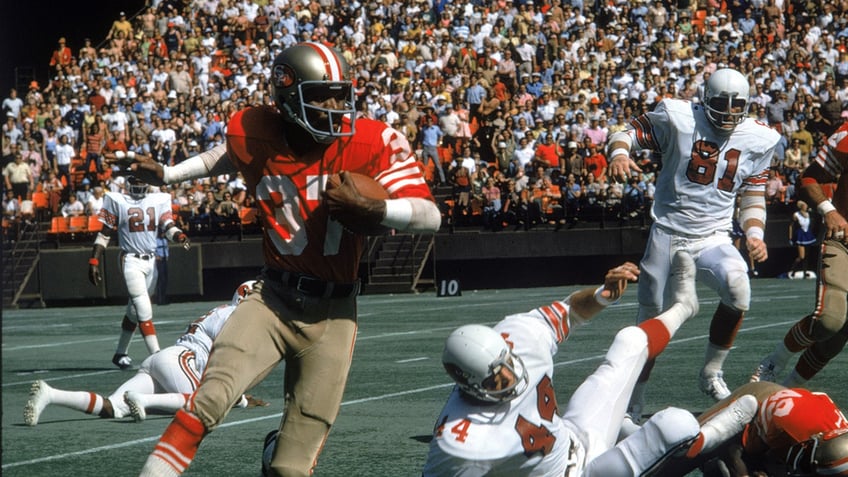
767,370
713,386
39,398
122,361
683,282
725,424
136,402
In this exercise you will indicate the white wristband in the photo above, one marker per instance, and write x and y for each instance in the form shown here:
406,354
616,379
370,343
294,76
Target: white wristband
755,233
620,150
600,298
398,214
825,207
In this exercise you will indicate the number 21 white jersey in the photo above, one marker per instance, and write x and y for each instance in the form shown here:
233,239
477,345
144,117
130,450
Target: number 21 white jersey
702,171
137,221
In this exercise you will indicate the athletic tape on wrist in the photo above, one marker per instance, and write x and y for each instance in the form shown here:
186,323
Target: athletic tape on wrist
825,207
599,297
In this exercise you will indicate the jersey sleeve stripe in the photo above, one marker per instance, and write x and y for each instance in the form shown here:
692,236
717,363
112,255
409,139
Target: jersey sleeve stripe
556,315
107,218
644,133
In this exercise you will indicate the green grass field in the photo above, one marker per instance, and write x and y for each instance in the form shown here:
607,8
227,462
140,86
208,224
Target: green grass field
395,391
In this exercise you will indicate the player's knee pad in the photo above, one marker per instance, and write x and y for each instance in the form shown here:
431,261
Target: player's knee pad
664,433
737,290
629,342
832,316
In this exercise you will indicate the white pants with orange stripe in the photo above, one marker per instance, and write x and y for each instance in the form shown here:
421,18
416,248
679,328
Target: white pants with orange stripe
171,370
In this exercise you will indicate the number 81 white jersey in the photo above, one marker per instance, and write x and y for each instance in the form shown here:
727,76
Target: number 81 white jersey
702,171
137,221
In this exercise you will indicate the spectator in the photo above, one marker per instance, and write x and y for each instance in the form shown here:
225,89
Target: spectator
226,211
11,135
64,153
32,156
431,140
596,161
73,208
13,104
18,177
53,187
95,202
94,142
62,55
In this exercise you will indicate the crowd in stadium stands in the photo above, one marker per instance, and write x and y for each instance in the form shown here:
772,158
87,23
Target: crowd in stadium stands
508,103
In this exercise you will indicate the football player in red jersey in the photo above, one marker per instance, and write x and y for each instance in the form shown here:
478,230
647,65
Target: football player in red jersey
795,432
304,308
821,335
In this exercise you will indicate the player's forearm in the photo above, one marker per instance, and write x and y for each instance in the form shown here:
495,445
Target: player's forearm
584,305
812,192
621,143
752,214
206,164
412,214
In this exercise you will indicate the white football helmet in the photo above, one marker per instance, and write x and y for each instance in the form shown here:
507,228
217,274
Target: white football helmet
136,188
242,291
726,99
474,354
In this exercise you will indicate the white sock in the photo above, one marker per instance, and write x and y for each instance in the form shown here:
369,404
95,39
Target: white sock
674,317
91,403
152,343
171,402
156,467
714,359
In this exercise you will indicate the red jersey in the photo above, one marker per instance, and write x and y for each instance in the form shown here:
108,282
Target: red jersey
790,416
299,235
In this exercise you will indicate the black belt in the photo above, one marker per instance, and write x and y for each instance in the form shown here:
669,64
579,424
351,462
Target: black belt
313,286
143,256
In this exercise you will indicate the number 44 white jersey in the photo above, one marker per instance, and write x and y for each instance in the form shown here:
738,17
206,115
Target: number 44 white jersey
137,221
524,436
702,171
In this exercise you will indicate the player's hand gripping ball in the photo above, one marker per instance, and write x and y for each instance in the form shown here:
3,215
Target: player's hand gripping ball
357,202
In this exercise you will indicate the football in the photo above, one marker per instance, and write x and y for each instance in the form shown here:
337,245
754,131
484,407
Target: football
366,186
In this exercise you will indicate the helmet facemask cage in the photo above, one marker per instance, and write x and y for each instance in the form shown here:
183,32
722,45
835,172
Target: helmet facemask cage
822,454
726,112
325,124
136,188
726,99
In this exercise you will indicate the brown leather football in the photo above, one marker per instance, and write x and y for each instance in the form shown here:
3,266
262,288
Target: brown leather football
366,186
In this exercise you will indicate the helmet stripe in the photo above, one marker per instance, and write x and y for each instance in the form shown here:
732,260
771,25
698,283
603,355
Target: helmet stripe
331,62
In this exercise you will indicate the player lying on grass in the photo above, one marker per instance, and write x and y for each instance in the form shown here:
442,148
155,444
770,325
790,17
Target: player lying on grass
502,417
164,382
795,432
